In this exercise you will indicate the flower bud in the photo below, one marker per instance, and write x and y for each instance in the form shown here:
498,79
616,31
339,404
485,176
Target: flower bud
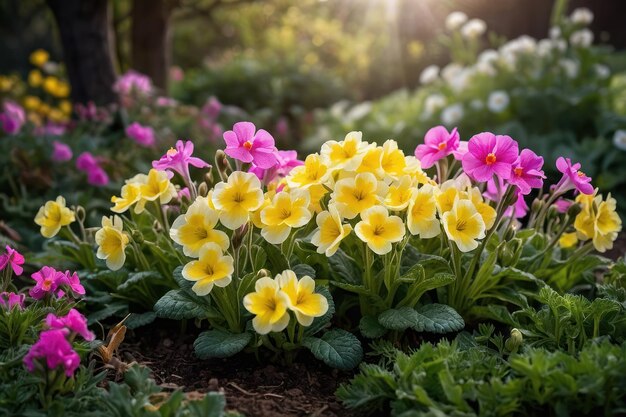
203,189
239,235
137,236
552,213
80,213
514,341
537,205
263,273
222,164
574,210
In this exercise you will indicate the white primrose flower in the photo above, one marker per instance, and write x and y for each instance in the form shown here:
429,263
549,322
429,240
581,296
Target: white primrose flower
581,16
498,101
455,20
474,29
429,75
453,114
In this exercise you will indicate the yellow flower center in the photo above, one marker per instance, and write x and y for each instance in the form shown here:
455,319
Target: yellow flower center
248,145
442,146
284,214
490,159
581,174
379,230
518,171
171,152
47,283
460,225
209,270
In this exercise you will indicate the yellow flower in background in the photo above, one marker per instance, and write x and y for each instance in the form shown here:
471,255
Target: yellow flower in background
5,83
568,240
35,78
413,169
354,195
196,227
39,57
302,297
346,154
212,268
392,160
313,172
379,230
62,89
156,186
50,84
237,198
288,209
463,225
598,221
56,115
422,213
44,109
400,194
112,242
372,162
130,194
330,231
65,106
269,304
32,103
52,216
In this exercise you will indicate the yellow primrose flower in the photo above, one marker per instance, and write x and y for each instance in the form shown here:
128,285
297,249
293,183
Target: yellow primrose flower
112,242
289,209
413,168
568,240
346,155
131,193
313,172
463,225
302,298
269,304
371,162
316,194
157,187
378,229
52,216
5,83
65,106
598,221
255,217
196,227
62,89
422,213
392,160
211,268
56,115
446,195
399,194
487,212
35,78
39,57
32,103
237,198
354,195
50,84
330,231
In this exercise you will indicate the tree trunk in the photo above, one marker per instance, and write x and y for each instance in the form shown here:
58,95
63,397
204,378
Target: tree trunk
149,39
84,30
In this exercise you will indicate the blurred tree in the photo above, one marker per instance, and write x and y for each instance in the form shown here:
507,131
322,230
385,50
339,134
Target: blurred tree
84,30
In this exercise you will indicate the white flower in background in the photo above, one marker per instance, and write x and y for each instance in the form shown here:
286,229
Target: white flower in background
474,28
429,74
619,139
582,38
488,56
498,101
570,67
476,104
544,47
455,20
555,32
581,16
508,59
450,71
602,71
433,104
461,80
485,68
451,115
559,45
522,45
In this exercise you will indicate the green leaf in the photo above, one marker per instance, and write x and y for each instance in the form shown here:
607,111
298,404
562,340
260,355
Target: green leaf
399,318
276,258
136,277
211,405
220,344
246,285
109,311
179,305
358,289
345,268
438,318
371,328
138,320
302,270
336,348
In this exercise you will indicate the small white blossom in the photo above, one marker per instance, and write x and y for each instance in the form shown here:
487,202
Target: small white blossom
498,101
429,74
488,56
485,68
555,32
570,67
582,38
602,71
455,20
581,16
619,139
432,104
451,115
474,29
476,104
450,71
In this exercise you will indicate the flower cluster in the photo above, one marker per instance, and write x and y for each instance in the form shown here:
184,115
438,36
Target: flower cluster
12,117
143,135
50,282
91,165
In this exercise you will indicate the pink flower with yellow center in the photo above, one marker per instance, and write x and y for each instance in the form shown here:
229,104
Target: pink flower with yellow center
438,143
573,177
488,155
248,145
526,172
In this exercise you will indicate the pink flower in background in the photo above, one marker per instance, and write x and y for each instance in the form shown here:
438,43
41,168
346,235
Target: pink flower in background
12,258
177,73
61,152
282,127
97,176
57,351
184,193
166,102
438,143
493,193
212,108
247,145
89,164
179,159
85,161
74,321
12,117
133,82
47,281
460,152
562,205
526,172
51,129
573,178
9,300
488,155
519,209
72,281
143,135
